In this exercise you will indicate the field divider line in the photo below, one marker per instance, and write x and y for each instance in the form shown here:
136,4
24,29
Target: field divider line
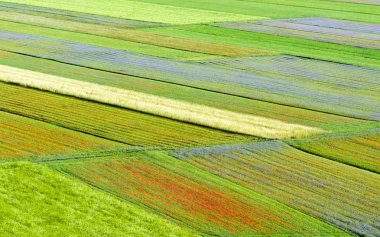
164,107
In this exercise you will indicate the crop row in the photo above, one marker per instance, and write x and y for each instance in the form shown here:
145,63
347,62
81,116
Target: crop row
24,137
113,123
37,201
338,32
360,149
339,194
183,93
319,94
287,45
191,196
131,35
169,108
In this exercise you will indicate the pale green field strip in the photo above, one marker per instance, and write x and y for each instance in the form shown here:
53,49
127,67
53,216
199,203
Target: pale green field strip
285,45
128,35
36,201
359,149
284,8
118,124
22,137
104,41
369,2
141,11
192,197
192,95
75,16
173,109
339,194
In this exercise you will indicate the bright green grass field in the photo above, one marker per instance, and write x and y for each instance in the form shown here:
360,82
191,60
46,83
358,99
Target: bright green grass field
287,45
284,8
141,11
36,201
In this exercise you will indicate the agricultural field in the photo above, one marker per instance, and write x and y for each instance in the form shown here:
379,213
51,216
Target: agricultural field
190,118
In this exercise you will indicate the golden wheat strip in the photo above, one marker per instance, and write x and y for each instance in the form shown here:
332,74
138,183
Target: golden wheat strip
174,109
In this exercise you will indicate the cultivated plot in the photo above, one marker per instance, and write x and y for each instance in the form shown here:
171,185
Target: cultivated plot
183,93
319,29
25,137
126,126
36,201
360,149
339,194
192,197
320,94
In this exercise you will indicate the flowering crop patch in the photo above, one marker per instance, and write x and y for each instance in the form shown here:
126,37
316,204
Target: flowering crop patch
339,194
192,197
360,149
319,29
321,94
24,137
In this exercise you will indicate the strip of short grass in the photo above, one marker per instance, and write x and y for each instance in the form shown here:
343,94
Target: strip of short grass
192,197
36,201
287,45
339,194
184,93
141,11
284,9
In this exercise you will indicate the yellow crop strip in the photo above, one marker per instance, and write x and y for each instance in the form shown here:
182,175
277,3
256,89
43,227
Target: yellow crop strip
174,109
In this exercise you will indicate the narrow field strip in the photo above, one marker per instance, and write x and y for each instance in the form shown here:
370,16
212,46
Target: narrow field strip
188,94
276,9
22,137
286,45
36,201
373,2
112,43
116,124
183,111
133,36
360,149
342,195
354,34
192,197
278,88
75,16
141,11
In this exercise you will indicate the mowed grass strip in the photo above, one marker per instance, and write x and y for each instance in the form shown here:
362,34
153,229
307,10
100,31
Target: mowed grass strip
360,149
104,41
342,195
133,36
75,16
192,197
25,137
285,8
286,45
36,201
192,95
109,122
141,11
179,110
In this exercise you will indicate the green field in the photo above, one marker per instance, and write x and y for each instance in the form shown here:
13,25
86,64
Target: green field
64,206
139,118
